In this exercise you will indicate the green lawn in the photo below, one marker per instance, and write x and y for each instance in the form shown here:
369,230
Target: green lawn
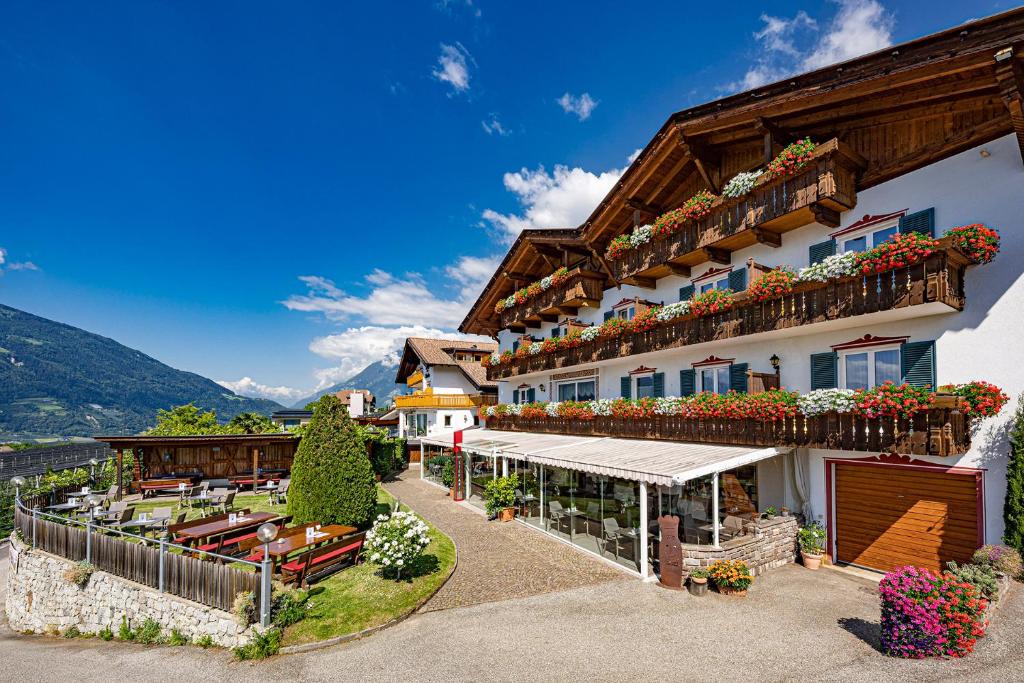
355,598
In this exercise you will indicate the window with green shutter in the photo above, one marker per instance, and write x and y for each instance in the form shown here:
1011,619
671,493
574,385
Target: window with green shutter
531,395
515,346
659,384
919,221
738,377
686,293
917,363
738,279
820,251
687,382
608,315
824,370
554,332
624,386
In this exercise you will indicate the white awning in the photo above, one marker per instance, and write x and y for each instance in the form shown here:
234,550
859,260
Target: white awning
656,462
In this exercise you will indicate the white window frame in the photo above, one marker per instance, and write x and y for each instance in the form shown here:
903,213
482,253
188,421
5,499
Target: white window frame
635,384
716,284
870,351
867,231
556,394
626,312
716,367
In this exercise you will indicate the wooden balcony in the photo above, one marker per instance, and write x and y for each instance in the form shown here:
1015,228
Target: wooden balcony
933,286
428,399
942,430
415,379
818,193
582,289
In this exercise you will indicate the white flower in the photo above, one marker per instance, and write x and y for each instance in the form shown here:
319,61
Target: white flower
823,400
534,348
514,408
589,333
510,302
552,409
491,411
601,406
740,184
669,405
672,311
641,235
835,266
495,358
545,283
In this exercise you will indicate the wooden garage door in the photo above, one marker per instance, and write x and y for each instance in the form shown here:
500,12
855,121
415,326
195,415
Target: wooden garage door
888,517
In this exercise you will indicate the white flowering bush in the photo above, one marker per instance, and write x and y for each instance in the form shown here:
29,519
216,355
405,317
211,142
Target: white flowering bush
741,184
551,409
514,408
672,311
545,282
495,358
823,400
641,235
394,543
590,333
602,406
491,411
534,348
837,265
668,405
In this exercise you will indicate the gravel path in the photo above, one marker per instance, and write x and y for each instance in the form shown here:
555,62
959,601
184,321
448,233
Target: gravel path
498,561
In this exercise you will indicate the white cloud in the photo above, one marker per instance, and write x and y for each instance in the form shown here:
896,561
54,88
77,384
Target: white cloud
14,265
247,386
453,67
3,256
448,7
561,199
580,105
492,126
791,45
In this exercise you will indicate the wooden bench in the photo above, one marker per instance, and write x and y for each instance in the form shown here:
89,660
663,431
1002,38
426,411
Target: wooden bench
226,543
318,563
173,529
254,546
153,487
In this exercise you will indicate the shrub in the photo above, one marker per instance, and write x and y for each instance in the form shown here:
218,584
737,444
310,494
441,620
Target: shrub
80,574
395,542
244,608
1013,504
148,633
72,632
928,615
811,538
287,607
500,493
448,472
1001,558
332,479
261,646
124,632
177,638
730,574
106,634
204,641
981,576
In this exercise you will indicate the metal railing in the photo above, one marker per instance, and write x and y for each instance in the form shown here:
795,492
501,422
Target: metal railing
169,567
37,461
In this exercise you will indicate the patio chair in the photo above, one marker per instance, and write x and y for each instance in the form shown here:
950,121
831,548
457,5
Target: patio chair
111,495
611,533
193,494
120,517
280,494
556,514
114,510
225,500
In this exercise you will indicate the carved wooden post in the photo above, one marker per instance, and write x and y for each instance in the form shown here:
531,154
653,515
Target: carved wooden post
670,552
255,468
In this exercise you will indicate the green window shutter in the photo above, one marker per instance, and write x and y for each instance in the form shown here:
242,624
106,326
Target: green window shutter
738,279
917,362
624,386
738,377
555,332
531,395
919,221
825,370
686,293
822,250
515,346
608,315
659,384
515,396
687,382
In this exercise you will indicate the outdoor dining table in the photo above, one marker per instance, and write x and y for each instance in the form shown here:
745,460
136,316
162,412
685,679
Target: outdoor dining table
201,531
143,525
283,547
64,507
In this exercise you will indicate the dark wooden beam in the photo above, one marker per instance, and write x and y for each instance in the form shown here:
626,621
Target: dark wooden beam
532,324
518,328
718,255
642,282
640,205
567,310
604,265
706,160
1010,75
549,317
678,269
775,137
826,216
772,239
518,277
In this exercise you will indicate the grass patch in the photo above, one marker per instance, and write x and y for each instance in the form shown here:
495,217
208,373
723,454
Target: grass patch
357,598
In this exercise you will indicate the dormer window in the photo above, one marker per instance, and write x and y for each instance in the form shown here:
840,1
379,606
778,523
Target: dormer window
716,278
867,233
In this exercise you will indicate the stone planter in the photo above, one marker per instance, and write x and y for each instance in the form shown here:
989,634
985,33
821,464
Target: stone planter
811,561
698,587
507,514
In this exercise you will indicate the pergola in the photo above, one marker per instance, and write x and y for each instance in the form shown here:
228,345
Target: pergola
208,456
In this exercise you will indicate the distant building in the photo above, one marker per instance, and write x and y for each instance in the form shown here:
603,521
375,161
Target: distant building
289,419
359,401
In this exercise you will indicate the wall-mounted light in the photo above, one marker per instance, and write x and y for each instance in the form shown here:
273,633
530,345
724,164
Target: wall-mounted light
541,386
985,154
774,360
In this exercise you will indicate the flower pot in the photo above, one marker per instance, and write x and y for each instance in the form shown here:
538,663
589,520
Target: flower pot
697,587
735,592
507,514
811,561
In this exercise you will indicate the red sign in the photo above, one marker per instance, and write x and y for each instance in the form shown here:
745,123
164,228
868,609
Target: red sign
460,467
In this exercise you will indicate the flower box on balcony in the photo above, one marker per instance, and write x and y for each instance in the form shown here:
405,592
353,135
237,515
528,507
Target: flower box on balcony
582,288
816,193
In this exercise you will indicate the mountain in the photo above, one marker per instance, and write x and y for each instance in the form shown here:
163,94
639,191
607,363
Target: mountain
58,380
378,377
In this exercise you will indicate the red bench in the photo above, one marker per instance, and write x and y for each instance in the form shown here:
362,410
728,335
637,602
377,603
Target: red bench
319,562
223,544
255,547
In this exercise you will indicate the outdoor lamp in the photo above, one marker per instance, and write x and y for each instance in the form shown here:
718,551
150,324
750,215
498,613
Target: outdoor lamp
17,483
267,532
94,462
774,360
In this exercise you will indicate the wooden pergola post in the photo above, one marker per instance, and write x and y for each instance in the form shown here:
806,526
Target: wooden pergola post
120,475
255,467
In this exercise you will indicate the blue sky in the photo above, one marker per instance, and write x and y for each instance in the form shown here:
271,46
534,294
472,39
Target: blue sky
275,194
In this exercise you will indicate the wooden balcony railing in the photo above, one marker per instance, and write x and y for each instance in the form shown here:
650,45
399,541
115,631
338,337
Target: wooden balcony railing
583,288
818,193
415,379
938,280
444,401
941,430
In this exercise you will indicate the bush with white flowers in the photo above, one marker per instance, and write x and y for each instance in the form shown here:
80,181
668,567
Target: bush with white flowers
823,400
534,348
837,265
590,333
495,358
395,542
602,407
672,311
552,409
668,405
741,184
641,235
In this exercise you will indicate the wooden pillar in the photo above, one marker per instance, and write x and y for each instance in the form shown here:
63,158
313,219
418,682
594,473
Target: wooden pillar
120,476
255,467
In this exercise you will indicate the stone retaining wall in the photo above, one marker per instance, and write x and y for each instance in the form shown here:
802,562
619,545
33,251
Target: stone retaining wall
768,543
41,600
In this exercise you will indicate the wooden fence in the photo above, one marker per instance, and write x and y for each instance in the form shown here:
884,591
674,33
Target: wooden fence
205,582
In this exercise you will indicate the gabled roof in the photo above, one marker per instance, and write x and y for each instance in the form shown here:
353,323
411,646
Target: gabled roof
438,352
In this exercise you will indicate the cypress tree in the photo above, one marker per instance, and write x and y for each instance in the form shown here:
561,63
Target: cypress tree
1013,508
332,478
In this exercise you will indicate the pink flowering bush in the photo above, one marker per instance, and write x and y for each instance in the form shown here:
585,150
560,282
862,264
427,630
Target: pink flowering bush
929,615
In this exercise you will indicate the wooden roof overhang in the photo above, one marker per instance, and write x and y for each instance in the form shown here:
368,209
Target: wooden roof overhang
900,108
143,441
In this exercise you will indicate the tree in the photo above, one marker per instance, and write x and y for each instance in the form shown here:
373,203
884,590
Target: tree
332,479
251,423
186,420
1013,508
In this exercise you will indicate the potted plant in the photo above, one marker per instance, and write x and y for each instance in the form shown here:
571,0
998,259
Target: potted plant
500,497
731,577
770,512
811,539
448,476
698,581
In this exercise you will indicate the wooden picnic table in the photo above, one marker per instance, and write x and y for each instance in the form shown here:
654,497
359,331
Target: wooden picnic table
201,531
283,547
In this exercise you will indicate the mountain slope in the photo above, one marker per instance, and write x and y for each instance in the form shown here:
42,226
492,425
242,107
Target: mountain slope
60,380
378,377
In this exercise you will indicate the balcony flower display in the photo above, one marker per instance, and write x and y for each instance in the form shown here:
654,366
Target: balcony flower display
533,410
772,405
575,410
826,400
613,327
640,236
633,409
645,321
696,207
672,311
929,615
535,348
533,290
619,246
792,159
831,267
773,284
523,351
891,400
982,398
741,184
711,301
979,242
589,334
900,250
